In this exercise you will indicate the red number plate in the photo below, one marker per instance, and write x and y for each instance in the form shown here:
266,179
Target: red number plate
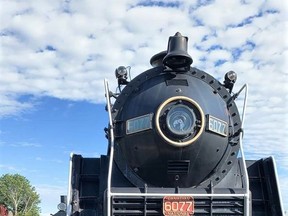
178,206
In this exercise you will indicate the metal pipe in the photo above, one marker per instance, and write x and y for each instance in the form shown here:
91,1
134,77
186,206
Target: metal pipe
246,177
69,196
110,167
277,184
169,194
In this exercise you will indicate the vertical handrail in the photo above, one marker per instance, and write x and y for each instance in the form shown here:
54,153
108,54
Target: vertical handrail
246,178
69,196
111,147
278,185
245,103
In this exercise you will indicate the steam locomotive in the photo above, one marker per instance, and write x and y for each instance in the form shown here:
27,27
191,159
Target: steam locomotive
175,148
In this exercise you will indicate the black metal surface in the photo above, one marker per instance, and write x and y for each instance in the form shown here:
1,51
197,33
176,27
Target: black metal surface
144,155
178,166
60,213
264,187
88,185
233,205
90,178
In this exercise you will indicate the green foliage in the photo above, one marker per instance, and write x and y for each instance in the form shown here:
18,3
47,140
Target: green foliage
18,195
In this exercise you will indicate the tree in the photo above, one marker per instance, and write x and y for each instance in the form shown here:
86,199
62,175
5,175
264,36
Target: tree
19,195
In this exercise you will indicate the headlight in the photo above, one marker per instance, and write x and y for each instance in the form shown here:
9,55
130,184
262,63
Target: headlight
180,120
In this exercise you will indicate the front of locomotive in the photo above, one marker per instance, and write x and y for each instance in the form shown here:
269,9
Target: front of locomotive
175,126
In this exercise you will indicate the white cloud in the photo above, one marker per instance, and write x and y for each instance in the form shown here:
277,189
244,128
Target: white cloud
25,145
50,160
221,13
64,49
8,168
10,106
50,197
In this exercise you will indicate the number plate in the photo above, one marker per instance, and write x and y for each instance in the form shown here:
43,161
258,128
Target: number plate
217,126
178,206
139,124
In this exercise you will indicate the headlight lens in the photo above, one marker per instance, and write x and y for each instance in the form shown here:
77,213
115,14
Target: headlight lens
180,120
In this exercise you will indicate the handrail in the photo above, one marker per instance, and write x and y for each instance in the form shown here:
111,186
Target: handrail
278,185
111,147
245,102
174,194
69,196
246,178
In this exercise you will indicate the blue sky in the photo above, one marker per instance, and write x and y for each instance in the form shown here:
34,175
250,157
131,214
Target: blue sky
54,56
38,143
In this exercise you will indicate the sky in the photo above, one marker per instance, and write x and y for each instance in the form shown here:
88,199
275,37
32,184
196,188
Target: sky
54,56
